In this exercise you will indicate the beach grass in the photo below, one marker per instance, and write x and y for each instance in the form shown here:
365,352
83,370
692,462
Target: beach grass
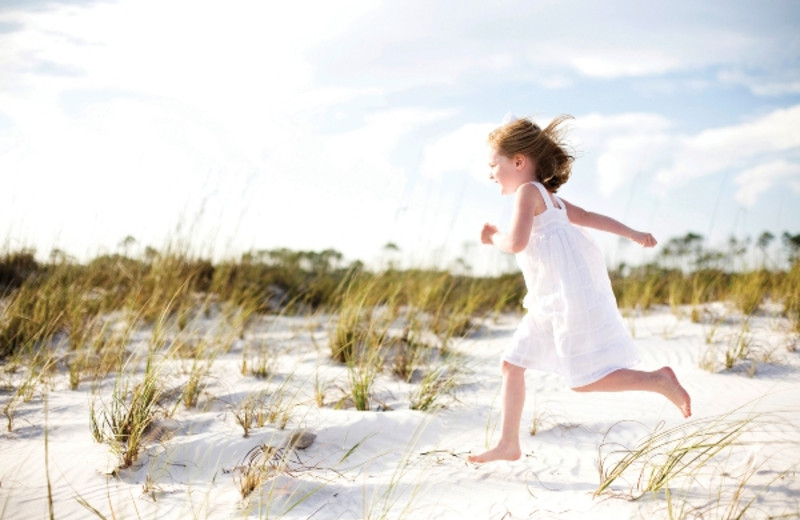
148,333
124,421
669,454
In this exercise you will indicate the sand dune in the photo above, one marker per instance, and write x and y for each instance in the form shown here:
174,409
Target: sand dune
394,462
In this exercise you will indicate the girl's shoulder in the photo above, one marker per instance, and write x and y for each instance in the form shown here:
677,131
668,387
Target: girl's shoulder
529,193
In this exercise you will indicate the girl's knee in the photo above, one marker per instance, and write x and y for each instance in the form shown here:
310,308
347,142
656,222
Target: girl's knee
511,369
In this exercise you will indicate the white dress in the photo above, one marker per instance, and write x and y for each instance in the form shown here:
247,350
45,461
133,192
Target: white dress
572,326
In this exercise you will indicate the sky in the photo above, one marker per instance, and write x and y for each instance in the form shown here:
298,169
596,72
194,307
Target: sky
348,125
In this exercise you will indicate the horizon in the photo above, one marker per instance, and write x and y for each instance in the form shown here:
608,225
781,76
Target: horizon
314,126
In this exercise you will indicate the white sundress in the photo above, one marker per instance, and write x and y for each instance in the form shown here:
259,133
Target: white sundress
572,326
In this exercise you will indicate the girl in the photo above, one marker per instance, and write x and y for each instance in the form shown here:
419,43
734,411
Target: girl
572,325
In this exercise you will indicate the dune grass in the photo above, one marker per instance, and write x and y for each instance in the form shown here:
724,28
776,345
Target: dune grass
136,324
124,421
670,454
688,467
44,304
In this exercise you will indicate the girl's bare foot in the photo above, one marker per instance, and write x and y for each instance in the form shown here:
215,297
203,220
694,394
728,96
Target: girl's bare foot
673,391
499,452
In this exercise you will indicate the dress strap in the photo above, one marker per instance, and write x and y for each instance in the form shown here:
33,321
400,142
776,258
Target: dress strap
545,194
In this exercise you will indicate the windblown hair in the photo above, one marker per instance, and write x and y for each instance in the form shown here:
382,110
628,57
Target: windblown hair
546,147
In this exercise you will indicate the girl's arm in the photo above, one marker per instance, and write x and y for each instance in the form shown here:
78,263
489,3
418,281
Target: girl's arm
581,217
521,223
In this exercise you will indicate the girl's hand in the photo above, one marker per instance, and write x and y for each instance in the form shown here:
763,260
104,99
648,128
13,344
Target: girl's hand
643,239
487,232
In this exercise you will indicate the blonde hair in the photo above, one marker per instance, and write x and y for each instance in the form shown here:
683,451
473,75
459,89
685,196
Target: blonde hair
545,147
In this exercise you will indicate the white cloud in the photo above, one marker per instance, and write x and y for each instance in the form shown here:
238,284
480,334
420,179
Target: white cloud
462,150
243,61
757,180
373,143
421,43
620,146
626,145
621,62
252,49
718,149
780,83
182,108
648,122
123,167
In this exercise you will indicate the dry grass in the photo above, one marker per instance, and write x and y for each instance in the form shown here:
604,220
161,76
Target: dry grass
90,319
437,384
667,458
131,413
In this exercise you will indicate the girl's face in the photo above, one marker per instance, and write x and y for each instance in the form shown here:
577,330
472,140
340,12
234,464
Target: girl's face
504,171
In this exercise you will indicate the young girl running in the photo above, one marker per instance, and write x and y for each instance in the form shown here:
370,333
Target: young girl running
572,325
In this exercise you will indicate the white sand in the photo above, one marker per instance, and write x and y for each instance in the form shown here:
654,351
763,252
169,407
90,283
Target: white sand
400,463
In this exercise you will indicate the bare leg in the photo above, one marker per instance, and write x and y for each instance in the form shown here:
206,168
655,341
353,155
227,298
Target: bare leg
513,400
662,381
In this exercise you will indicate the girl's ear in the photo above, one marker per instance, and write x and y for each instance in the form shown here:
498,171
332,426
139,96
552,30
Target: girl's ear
520,160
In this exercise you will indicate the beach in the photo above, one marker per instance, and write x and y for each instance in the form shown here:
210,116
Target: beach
310,453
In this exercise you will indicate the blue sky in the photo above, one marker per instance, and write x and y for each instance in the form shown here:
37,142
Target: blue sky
312,125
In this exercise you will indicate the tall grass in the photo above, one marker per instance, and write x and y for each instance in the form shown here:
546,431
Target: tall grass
261,407
124,422
364,315
689,466
361,376
41,300
403,323
81,316
788,292
669,455
438,383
